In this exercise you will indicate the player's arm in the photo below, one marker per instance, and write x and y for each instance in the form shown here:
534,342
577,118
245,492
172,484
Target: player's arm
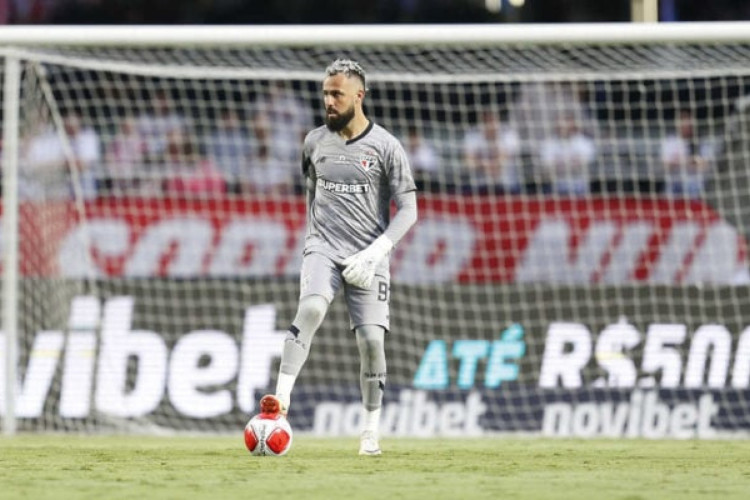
309,174
310,189
360,267
402,185
405,217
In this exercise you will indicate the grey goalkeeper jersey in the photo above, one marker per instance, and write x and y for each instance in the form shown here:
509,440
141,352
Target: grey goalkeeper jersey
354,181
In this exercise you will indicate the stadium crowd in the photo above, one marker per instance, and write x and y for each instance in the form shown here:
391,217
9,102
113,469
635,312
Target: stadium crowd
546,141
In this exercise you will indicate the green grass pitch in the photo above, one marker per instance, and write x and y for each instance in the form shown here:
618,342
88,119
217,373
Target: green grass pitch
92,467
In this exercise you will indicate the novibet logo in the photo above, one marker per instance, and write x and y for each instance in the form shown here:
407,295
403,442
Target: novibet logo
101,345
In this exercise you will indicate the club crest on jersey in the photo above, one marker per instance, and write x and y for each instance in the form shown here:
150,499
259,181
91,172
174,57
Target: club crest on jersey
367,161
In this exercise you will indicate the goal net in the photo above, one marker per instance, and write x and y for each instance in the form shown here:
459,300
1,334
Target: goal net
579,267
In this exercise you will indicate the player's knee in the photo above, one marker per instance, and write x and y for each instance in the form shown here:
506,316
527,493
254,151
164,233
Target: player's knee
309,316
374,345
312,310
371,340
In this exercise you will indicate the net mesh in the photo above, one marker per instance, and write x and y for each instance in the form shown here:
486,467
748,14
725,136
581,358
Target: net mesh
579,267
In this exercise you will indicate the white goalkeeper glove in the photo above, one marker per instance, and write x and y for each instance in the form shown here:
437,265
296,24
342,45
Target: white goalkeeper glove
360,267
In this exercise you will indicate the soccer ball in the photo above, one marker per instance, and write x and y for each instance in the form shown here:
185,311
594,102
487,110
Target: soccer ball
268,434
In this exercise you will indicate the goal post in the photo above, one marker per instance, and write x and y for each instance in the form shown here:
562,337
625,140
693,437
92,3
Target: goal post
11,92
579,268
372,35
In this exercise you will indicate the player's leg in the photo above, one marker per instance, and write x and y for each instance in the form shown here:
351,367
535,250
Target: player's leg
369,316
310,314
372,374
320,279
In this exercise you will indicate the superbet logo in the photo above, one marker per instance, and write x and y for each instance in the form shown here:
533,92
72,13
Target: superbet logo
457,239
621,252
247,247
240,240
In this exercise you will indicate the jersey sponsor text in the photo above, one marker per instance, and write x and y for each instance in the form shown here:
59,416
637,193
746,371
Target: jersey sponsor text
340,187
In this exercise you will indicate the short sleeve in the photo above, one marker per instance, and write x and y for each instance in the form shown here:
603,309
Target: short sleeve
306,157
400,177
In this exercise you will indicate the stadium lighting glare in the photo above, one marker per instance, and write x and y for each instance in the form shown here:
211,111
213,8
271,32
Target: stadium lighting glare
493,6
517,3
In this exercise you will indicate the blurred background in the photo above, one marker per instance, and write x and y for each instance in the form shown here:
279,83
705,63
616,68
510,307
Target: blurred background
340,11
595,184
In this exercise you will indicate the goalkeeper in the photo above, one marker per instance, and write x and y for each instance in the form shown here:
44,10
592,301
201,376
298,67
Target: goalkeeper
353,169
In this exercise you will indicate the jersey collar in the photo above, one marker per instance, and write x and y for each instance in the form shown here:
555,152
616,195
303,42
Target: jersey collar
364,133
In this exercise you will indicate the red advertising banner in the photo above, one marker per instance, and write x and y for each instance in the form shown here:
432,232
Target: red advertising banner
457,239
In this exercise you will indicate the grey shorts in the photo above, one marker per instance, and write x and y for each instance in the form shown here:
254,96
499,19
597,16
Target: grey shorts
322,276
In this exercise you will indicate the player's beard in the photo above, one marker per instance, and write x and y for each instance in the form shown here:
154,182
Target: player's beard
338,121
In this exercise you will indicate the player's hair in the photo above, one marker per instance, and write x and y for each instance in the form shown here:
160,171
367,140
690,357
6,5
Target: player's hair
349,68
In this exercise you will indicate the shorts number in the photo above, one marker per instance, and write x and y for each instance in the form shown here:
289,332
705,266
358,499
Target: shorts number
382,291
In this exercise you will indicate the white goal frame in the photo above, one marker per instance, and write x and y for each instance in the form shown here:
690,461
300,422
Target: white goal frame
13,39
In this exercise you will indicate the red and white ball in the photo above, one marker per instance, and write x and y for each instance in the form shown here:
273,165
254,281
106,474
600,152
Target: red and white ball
268,434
